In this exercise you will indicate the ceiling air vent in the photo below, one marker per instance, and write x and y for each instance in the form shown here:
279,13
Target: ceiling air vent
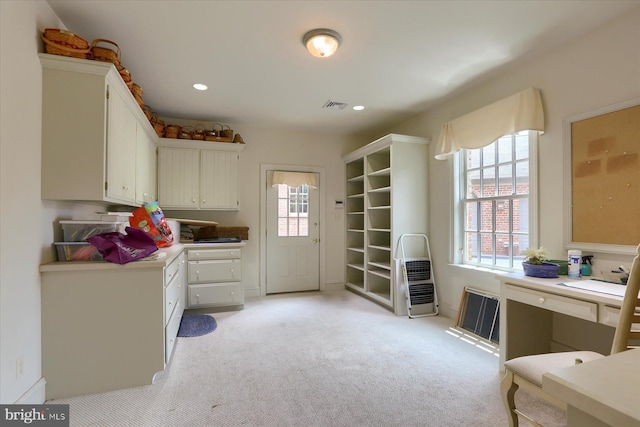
332,105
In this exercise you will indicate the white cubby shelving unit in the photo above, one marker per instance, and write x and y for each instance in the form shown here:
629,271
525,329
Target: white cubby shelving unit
386,196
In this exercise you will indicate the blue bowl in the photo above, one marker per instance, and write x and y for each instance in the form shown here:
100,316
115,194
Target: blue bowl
545,270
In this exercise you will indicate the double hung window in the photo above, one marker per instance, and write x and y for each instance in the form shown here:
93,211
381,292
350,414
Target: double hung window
498,193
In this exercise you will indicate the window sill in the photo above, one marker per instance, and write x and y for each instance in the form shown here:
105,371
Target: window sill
483,269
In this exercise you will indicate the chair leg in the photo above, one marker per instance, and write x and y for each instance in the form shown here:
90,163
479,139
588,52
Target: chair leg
508,389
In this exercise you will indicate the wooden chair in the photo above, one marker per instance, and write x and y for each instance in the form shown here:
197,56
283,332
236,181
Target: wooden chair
527,371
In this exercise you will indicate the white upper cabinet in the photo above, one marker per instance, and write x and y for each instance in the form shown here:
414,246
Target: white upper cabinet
198,175
218,179
178,178
91,126
145,167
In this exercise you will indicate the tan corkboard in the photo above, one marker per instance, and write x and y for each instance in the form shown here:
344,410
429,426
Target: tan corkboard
605,178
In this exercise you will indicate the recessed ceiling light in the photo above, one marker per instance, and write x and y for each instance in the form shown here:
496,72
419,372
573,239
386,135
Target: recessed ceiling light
200,86
358,107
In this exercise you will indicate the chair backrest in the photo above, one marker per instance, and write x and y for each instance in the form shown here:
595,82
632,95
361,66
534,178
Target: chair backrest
627,333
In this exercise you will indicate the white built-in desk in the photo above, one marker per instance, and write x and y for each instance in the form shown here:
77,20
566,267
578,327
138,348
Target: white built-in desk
541,316
603,392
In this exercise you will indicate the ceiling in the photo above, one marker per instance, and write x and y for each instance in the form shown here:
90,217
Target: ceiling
397,58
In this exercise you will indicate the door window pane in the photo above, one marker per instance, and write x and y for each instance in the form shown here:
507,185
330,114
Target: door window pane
293,211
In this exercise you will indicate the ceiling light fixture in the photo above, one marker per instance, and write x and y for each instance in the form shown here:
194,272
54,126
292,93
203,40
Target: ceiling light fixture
358,107
200,86
321,42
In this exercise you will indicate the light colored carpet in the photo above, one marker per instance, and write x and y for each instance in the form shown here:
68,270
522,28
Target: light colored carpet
318,359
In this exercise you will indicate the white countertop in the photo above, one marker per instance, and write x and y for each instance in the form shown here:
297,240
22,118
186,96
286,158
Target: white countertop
607,388
172,252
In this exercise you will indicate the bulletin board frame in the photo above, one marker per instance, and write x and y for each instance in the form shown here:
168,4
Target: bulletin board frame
602,179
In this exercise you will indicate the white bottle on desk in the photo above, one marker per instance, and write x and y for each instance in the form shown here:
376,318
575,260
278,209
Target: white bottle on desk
574,266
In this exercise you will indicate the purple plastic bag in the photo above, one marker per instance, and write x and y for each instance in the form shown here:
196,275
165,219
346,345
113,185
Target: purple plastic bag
123,248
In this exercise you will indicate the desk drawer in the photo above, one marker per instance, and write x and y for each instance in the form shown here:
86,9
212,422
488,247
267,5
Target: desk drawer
569,306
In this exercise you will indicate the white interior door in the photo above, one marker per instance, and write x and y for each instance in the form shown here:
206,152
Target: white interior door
293,230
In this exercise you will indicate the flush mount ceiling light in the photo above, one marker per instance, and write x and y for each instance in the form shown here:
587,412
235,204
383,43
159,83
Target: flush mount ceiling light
321,42
200,86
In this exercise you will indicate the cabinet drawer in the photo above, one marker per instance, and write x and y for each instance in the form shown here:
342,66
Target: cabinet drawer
222,270
213,294
171,332
569,306
226,253
172,296
172,269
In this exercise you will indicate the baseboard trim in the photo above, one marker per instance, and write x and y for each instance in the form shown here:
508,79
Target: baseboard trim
333,286
36,394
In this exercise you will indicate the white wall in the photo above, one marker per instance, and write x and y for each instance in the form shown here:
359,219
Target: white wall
26,222
599,69
29,225
273,146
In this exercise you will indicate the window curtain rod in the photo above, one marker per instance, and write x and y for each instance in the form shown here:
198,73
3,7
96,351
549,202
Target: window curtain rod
518,112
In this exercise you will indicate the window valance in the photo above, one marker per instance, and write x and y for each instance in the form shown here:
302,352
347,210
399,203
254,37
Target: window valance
522,111
294,179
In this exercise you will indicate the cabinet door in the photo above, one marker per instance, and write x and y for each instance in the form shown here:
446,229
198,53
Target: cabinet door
121,150
178,177
218,180
143,193
153,172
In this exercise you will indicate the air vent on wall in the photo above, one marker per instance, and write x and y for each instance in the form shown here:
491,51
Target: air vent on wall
332,105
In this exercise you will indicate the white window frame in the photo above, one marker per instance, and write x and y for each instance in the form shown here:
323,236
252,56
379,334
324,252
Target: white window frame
458,208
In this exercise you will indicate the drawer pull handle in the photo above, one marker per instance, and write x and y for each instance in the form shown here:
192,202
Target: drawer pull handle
541,300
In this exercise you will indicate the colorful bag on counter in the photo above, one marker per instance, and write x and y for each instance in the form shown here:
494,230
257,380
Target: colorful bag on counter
123,248
150,218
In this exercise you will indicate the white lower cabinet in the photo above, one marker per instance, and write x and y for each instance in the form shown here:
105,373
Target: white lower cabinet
215,277
108,327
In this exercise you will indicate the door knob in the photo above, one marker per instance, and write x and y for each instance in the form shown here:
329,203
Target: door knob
315,240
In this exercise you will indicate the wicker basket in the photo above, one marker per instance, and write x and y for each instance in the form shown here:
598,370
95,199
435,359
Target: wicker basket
171,131
137,90
242,232
65,43
147,111
186,133
215,135
104,54
198,133
210,135
226,132
221,231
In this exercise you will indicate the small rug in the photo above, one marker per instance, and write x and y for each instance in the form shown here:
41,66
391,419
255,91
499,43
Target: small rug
195,325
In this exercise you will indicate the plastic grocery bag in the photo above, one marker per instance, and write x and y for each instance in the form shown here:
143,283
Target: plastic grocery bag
150,218
123,248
